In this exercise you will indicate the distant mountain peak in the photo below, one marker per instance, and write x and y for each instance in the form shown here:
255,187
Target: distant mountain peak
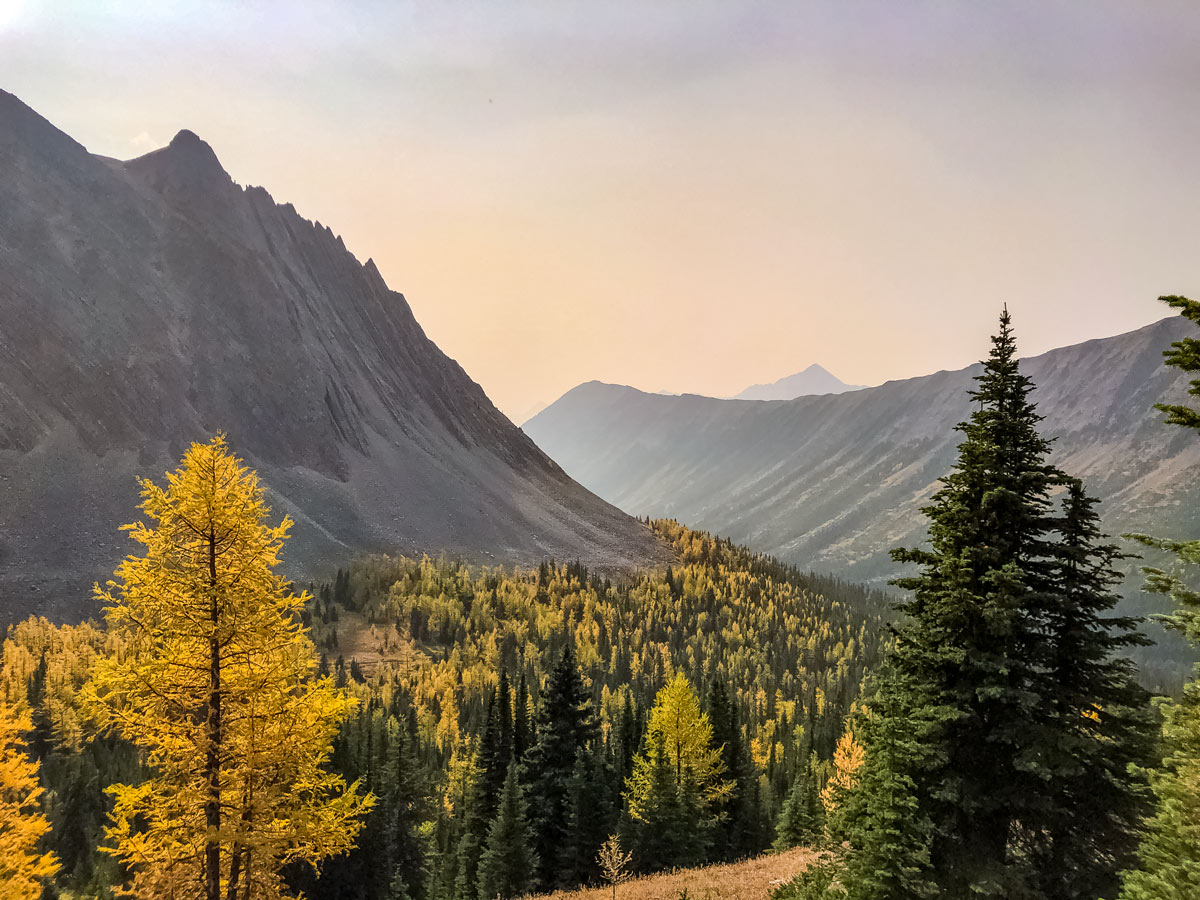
816,379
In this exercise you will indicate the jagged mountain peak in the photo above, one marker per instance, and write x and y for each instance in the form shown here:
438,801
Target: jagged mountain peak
151,303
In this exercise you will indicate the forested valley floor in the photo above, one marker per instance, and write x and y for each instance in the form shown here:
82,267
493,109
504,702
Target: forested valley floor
454,671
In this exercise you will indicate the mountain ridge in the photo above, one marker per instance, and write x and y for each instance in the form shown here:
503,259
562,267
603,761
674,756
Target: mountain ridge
833,482
152,302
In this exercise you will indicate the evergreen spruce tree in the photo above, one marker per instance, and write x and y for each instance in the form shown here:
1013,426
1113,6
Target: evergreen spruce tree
973,729
733,836
507,867
886,820
565,726
592,817
407,809
802,820
1096,720
522,735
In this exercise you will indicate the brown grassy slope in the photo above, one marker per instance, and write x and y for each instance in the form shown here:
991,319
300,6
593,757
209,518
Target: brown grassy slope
753,879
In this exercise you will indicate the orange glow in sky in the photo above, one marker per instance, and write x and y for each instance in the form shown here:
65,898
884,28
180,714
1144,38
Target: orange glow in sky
686,196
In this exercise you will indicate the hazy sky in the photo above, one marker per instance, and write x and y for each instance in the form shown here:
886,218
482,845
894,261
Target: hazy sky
690,196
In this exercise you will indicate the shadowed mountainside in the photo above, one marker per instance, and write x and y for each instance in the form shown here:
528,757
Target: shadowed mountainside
149,303
832,482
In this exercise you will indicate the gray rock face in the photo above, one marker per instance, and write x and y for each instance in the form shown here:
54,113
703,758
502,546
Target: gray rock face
150,303
833,482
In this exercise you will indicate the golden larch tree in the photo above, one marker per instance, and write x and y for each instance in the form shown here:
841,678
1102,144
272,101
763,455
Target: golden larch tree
684,734
215,683
848,758
23,870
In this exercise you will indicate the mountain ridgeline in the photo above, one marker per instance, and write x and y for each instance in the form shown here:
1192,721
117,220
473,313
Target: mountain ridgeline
814,380
150,303
834,482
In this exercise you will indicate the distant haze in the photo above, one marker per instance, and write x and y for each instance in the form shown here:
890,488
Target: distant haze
691,196
813,380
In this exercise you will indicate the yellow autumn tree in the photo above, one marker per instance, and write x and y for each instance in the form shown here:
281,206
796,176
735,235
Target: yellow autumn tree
848,758
214,682
679,739
23,870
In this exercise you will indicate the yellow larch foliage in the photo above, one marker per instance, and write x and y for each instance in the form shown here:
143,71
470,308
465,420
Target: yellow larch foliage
23,870
215,683
848,758
685,735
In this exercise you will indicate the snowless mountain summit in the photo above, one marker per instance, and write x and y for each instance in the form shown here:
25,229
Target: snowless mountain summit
149,303
812,381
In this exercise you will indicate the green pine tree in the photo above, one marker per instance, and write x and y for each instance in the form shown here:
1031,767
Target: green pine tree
591,819
1096,724
734,835
565,726
507,866
1002,698
802,820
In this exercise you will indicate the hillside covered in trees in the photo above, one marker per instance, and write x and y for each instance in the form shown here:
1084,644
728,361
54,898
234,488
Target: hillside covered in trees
425,730
538,692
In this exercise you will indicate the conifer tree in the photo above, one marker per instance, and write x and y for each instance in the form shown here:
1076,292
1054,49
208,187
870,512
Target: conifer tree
973,722
886,818
592,816
734,834
802,820
660,835
522,735
24,869
507,866
847,762
1169,854
1096,719
565,726
215,685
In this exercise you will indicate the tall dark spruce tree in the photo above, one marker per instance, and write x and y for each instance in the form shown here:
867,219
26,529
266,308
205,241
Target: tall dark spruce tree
736,832
1002,699
566,728
506,867
1095,720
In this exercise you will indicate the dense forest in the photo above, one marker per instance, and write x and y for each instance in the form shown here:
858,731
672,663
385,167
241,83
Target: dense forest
427,730
554,675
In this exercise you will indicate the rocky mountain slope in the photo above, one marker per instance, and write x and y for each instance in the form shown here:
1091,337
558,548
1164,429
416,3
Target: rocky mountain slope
149,303
833,482
813,380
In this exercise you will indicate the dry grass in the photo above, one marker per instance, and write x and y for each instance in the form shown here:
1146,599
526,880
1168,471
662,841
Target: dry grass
753,879
373,645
